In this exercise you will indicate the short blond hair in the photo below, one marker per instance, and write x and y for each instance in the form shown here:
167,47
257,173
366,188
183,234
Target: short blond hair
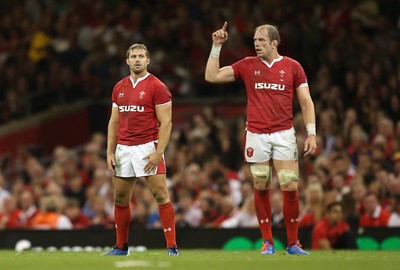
272,32
137,46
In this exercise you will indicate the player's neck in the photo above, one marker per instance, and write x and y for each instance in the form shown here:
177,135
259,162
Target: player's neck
135,76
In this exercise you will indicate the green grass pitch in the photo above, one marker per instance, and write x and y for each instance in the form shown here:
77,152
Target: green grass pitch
194,259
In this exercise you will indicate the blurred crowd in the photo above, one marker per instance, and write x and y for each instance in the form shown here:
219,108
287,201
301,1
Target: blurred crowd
62,51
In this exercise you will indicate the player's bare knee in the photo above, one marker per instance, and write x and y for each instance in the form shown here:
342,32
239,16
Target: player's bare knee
287,177
121,197
161,197
121,201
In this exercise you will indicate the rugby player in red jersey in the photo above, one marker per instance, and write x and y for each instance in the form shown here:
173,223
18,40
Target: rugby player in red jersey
271,81
138,133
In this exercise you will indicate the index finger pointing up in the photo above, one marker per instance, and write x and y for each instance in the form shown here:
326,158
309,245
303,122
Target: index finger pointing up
224,26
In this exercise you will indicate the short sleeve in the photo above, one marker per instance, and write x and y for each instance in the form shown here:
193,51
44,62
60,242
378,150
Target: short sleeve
162,95
299,75
114,94
239,67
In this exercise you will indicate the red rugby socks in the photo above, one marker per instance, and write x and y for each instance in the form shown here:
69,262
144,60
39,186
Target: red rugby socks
263,212
167,217
122,217
291,215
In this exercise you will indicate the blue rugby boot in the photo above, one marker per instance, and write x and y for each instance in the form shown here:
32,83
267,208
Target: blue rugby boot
174,251
296,249
267,248
117,252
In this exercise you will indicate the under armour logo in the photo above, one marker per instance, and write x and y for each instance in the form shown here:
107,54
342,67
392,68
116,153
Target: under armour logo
262,220
256,72
294,220
168,230
121,95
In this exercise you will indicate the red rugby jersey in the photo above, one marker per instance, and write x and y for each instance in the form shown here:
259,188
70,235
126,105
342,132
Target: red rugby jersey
138,123
270,90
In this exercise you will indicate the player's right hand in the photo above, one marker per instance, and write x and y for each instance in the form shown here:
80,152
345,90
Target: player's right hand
111,162
221,35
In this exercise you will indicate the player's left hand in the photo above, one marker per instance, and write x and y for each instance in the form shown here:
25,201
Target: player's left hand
153,160
310,145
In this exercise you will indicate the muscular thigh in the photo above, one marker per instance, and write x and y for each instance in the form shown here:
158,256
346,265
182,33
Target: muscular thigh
123,188
292,165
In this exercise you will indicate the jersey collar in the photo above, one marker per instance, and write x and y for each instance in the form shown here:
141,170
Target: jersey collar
272,63
134,84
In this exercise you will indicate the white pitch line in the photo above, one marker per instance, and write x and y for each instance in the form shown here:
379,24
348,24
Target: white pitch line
132,263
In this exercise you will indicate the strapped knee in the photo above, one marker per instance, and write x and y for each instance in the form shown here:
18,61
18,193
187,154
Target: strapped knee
261,172
285,176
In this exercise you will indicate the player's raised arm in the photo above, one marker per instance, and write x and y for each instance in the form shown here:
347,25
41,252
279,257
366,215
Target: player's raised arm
214,73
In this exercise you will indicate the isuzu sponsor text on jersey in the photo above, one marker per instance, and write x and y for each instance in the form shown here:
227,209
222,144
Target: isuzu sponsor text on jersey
131,108
271,86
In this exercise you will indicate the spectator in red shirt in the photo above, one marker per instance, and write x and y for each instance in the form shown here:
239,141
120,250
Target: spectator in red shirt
23,216
76,216
332,232
374,215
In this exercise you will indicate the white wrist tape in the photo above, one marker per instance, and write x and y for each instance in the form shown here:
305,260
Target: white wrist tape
311,129
215,51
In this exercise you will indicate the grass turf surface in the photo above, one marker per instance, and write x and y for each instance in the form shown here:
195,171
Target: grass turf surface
200,259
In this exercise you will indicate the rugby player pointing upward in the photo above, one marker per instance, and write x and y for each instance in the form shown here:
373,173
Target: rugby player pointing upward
271,81
138,133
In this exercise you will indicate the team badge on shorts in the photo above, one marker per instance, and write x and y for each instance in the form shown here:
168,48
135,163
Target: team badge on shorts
249,152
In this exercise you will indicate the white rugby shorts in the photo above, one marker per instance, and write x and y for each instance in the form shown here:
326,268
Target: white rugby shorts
279,145
130,163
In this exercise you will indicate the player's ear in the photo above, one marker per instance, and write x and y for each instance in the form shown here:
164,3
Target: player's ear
127,61
148,60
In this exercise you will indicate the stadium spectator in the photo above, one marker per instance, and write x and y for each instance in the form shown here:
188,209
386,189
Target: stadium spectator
277,219
4,193
190,212
73,211
25,213
314,197
208,209
245,217
49,216
140,215
100,218
394,219
332,232
375,215
358,191
10,205
396,164
75,189
227,210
